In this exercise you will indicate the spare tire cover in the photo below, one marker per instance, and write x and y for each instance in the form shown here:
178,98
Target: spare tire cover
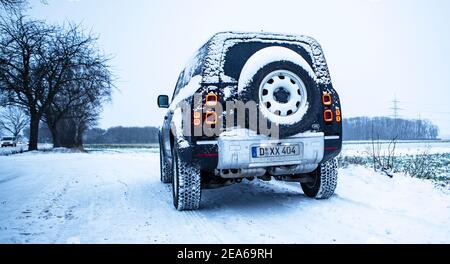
283,86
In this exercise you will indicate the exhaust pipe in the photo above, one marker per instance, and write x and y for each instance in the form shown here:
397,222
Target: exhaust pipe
241,173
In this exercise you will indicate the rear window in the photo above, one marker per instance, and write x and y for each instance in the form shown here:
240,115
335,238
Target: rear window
8,138
238,54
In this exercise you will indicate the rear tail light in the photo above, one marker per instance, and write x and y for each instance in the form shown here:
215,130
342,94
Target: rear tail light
326,99
197,118
211,99
328,116
208,114
338,115
211,118
197,122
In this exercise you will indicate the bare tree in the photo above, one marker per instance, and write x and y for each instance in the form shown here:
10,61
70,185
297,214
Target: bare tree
79,100
16,6
22,59
384,160
72,127
39,62
68,126
13,4
82,112
13,120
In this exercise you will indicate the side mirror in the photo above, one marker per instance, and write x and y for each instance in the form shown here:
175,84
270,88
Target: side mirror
163,101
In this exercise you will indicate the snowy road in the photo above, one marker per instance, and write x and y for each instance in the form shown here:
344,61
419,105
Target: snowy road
118,198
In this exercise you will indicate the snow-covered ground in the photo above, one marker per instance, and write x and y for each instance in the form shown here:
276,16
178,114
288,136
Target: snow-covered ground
116,197
20,148
13,150
364,148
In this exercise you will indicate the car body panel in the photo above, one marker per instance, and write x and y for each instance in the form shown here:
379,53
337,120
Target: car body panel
218,62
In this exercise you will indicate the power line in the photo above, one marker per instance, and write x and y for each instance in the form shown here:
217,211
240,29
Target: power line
395,108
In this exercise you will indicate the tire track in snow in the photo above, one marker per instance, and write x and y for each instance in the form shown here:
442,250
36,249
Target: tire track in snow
126,193
55,210
202,228
65,211
321,217
237,201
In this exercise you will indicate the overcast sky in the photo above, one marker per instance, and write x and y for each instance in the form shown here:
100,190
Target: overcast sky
375,49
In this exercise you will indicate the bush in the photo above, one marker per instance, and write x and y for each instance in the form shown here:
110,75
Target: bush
422,165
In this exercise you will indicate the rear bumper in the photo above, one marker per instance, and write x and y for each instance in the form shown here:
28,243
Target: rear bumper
237,153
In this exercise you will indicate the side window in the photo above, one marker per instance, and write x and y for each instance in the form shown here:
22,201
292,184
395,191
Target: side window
237,55
193,68
178,86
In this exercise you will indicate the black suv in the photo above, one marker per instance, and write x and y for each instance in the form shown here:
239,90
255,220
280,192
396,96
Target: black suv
251,106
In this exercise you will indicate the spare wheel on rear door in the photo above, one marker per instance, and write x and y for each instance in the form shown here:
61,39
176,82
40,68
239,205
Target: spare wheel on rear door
284,87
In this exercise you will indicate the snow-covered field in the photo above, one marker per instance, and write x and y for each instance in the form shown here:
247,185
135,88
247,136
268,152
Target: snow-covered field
364,148
116,197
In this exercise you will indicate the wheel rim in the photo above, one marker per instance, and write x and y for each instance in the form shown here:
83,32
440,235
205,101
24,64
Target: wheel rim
282,94
312,184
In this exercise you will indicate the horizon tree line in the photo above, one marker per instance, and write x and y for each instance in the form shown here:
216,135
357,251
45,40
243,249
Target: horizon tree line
386,128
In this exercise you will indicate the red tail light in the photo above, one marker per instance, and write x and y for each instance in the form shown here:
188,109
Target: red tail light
328,116
338,115
197,118
211,99
326,99
211,118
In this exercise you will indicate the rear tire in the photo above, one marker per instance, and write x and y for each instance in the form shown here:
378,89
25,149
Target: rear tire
165,168
325,181
186,187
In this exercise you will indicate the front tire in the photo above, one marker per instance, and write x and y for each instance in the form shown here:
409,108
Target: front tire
325,181
186,187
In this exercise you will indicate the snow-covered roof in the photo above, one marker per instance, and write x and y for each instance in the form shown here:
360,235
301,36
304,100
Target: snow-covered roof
221,42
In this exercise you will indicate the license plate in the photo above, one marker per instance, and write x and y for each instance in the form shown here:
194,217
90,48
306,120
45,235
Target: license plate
283,150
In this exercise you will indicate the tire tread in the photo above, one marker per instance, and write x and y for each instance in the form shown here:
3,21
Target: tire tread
189,186
328,179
